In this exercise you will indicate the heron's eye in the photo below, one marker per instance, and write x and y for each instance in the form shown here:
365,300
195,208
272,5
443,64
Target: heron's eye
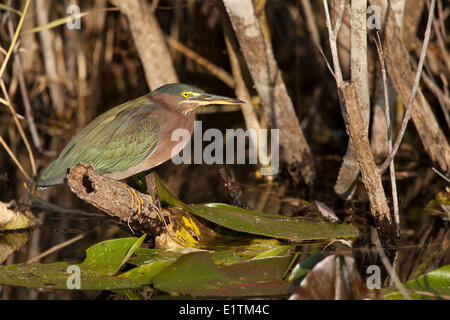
186,94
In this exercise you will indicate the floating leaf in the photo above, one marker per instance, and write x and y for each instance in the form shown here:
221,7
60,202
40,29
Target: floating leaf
258,223
256,249
195,274
97,271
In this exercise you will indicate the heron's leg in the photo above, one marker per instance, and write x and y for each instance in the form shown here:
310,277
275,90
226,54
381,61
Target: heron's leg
140,181
136,196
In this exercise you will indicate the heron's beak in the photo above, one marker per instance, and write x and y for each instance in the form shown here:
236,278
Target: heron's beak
206,99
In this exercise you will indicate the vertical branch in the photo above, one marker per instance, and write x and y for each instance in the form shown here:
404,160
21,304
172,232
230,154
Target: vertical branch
358,133
24,93
149,41
359,74
49,59
250,117
310,21
271,88
379,141
248,111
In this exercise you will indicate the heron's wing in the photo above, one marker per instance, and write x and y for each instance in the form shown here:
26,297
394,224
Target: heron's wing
115,141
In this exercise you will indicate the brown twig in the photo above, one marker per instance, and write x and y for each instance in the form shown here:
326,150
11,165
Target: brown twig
24,93
441,43
115,199
56,248
216,71
16,36
19,127
370,176
233,188
349,170
13,157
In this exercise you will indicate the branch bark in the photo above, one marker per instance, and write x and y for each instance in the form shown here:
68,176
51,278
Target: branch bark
114,198
369,171
349,171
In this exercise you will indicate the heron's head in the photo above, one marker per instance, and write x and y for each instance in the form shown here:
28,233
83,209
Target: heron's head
187,98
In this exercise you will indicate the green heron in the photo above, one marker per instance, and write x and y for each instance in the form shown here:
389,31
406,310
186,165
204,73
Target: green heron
134,136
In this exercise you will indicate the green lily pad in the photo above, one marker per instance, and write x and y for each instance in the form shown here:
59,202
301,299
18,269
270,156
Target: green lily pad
258,223
256,249
195,274
97,271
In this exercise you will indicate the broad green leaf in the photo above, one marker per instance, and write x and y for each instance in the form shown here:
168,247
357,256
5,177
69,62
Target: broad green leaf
277,251
97,271
433,285
132,250
436,281
255,249
55,276
195,274
143,256
105,258
258,223
145,273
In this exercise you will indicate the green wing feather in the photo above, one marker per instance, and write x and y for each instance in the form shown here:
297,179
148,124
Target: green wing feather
118,139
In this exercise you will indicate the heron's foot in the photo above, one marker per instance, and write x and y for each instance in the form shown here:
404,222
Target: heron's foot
134,196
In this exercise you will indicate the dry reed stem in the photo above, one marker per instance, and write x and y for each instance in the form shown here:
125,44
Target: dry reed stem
412,97
19,127
16,36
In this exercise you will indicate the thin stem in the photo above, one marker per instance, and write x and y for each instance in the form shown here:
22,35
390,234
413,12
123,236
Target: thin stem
13,157
387,113
19,127
16,36
24,92
388,266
